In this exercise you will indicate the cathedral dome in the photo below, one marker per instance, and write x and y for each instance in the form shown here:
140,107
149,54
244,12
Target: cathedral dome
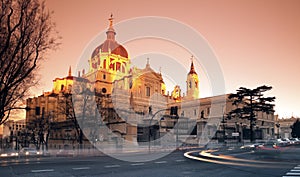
110,44
113,46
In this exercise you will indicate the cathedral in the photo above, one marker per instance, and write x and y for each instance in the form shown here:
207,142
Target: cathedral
128,100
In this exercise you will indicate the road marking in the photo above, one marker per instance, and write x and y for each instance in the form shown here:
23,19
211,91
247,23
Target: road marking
161,162
180,160
290,176
186,172
297,167
295,170
82,168
112,166
292,173
137,164
39,171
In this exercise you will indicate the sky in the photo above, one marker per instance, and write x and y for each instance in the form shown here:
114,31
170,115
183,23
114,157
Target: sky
256,42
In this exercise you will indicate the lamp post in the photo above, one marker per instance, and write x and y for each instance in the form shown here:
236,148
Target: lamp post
224,132
278,128
242,140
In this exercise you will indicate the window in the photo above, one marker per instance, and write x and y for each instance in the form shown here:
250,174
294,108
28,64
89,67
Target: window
208,110
195,112
112,66
118,66
147,91
103,90
104,76
104,64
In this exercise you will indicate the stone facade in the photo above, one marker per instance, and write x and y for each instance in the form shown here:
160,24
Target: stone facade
284,127
114,102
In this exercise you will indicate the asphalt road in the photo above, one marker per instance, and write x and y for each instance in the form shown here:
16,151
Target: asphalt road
173,165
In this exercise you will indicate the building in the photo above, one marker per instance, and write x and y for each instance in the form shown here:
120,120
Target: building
284,129
13,135
113,102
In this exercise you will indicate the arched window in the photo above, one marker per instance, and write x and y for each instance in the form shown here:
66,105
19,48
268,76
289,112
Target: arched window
118,66
104,63
147,91
112,66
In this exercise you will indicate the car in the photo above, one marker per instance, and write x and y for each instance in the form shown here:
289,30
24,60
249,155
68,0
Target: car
29,152
282,142
65,153
269,148
9,153
251,146
295,140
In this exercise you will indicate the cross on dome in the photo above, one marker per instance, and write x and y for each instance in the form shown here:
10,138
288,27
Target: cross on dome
111,20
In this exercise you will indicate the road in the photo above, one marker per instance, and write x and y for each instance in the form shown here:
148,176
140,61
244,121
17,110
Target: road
173,165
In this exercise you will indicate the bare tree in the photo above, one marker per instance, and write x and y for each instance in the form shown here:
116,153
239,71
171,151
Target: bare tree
26,34
39,130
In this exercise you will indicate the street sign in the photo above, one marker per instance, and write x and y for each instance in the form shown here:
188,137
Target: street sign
235,134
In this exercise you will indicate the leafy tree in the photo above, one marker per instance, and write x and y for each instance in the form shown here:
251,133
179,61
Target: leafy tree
250,101
296,129
26,35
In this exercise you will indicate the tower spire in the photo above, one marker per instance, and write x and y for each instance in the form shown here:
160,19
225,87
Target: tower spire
192,69
148,64
70,71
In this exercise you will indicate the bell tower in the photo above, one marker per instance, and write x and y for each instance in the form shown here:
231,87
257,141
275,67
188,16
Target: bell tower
192,83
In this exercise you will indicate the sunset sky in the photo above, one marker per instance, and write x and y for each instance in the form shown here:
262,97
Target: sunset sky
256,42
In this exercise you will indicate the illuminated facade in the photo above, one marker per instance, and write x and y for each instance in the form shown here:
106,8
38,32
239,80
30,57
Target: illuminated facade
108,62
124,93
192,84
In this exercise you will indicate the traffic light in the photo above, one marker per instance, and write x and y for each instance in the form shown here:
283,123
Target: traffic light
174,110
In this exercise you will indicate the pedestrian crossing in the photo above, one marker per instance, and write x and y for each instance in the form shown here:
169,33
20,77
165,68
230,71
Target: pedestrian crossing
295,172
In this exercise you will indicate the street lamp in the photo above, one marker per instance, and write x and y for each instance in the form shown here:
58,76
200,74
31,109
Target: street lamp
224,132
241,134
278,127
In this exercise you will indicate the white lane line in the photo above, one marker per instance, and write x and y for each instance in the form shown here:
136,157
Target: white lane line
180,160
112,166
137,164
296,167
290,176
161,162
39,171
295,170
292,173
82,168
